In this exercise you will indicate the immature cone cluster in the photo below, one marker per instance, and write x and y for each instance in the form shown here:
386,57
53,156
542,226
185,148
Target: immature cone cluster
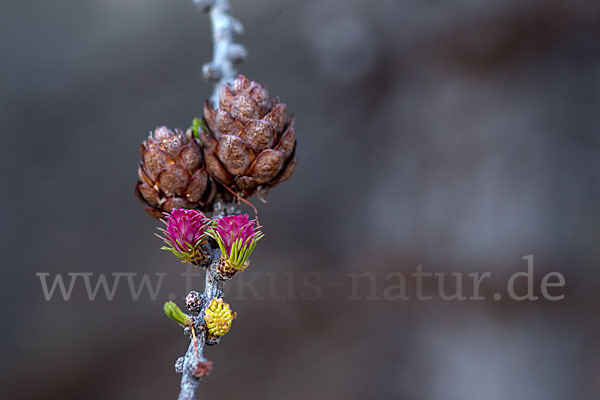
172,173
218,317
251,141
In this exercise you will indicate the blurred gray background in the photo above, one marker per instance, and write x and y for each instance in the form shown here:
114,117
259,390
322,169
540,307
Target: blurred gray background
460,135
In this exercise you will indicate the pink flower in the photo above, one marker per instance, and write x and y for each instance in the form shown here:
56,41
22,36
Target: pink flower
234,227
184,234
237,236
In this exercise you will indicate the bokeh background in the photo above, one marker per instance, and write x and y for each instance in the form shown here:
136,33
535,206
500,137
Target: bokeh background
460,135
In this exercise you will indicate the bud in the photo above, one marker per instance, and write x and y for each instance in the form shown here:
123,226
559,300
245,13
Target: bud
194,301
179,365
203,368
185,234
211,72
175,313
218,317
237,53
204,5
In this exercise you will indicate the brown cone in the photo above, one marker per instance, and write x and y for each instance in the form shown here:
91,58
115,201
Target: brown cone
172,173
250,143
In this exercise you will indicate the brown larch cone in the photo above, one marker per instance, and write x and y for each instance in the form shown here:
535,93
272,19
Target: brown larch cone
172,173
250,143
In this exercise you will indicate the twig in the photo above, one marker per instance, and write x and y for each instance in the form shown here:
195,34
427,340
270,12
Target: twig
226,52
221,70
195,351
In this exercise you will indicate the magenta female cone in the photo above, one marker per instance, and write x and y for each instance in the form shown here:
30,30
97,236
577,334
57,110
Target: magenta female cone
185,233
236,236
